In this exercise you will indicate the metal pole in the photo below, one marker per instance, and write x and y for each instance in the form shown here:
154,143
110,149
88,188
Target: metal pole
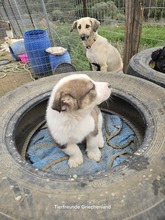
15,17
8,17
47,21
30,14
16,5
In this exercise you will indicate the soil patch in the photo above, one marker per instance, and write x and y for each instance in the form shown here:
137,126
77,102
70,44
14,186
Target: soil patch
11,78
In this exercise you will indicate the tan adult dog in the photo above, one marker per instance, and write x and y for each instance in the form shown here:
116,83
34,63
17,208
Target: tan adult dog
100,53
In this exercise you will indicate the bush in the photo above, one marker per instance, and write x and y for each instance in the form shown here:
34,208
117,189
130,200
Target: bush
104,9
120,17
58,15
100,10
158,15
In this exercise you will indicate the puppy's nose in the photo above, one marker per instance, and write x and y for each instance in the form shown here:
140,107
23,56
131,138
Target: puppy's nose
82,37
109,86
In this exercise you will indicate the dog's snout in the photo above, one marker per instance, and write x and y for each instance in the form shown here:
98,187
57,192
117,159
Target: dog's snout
109,86
83,37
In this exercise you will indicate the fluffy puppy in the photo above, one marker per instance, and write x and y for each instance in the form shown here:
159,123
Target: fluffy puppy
100,53
158,57
72,115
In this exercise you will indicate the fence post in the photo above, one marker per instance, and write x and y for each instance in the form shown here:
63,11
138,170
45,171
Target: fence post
133,25
84,8
47,22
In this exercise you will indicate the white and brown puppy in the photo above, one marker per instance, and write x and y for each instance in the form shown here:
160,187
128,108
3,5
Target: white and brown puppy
99,51
72,115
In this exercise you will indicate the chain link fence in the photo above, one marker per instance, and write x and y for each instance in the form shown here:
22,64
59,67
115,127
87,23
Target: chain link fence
56,18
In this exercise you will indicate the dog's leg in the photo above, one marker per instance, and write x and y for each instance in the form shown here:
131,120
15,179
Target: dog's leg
94,142
76,157
104,68
100,134
94,68
101,140
93,151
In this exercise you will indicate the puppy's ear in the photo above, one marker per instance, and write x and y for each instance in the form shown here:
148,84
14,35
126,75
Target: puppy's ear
56,103
74,26
68,103
64,102
95,24
155,54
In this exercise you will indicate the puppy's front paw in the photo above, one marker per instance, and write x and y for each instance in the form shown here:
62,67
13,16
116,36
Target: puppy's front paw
101,142
75,162
94,154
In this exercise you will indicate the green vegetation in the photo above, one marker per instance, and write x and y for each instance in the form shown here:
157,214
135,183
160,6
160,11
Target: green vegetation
101,9
152,36
3,54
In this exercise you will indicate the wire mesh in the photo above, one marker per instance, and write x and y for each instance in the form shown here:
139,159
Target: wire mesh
56,18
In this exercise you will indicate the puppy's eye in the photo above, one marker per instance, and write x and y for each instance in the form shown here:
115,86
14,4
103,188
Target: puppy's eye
79,27
87,25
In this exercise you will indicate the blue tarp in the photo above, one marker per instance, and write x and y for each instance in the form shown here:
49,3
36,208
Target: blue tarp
42,149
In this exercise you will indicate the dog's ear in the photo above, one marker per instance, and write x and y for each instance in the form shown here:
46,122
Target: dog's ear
68,103
155,54
95,24
65,102
74,26
56,103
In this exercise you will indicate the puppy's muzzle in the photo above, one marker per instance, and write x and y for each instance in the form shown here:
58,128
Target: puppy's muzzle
109,86
84,37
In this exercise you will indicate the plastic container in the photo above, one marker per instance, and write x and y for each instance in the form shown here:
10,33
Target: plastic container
16,49
23,57
58,59
36,42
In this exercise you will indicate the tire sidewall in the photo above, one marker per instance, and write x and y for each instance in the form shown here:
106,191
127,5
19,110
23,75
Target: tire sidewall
129,182
139,66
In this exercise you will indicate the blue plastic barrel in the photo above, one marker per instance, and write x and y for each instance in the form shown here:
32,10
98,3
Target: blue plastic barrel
58,59
36,42
16,49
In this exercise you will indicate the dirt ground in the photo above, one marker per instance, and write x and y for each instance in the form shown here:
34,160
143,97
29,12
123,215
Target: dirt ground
12,78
